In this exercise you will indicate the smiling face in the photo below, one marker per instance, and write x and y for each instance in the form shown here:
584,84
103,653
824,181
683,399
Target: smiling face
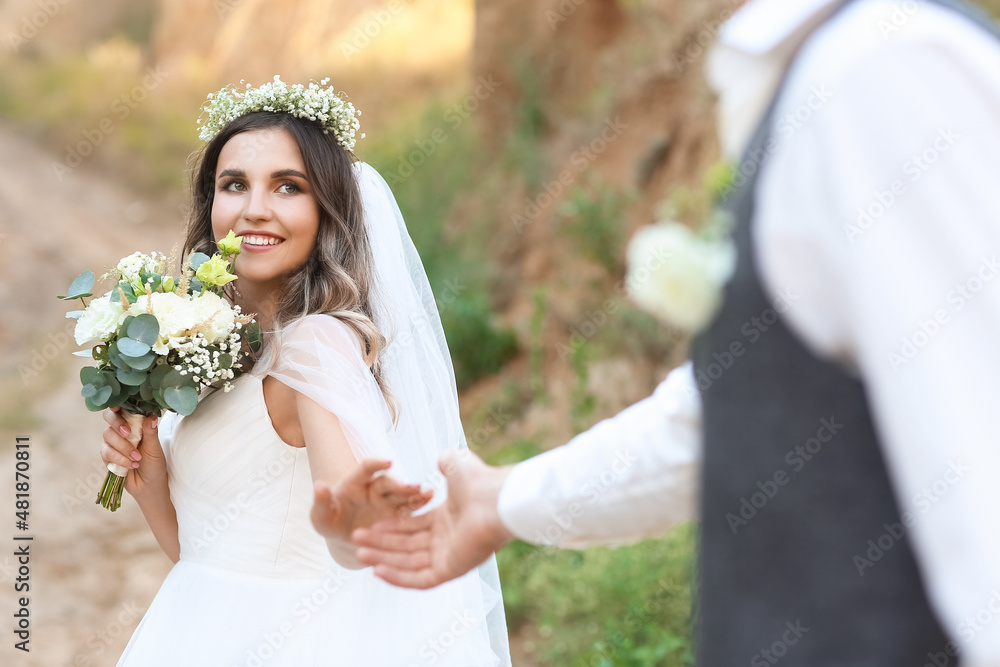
262,194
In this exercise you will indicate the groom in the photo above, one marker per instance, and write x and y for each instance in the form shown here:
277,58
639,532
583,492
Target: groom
843,450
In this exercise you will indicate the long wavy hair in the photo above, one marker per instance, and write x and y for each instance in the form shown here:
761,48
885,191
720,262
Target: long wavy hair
338,278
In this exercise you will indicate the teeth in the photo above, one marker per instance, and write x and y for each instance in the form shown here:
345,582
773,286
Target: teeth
261,240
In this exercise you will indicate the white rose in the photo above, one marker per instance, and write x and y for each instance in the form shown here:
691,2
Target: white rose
100,319
174,314
216,312
677,276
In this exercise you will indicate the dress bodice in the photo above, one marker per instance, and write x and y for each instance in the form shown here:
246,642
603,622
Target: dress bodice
242,495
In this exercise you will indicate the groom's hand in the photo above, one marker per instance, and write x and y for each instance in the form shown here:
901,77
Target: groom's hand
445,543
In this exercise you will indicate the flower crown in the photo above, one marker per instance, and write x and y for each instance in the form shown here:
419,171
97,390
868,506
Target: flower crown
313,103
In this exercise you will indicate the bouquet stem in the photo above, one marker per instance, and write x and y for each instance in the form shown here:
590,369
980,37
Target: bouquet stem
110,495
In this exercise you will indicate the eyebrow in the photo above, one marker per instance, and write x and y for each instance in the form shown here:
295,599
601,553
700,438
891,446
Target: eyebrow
282,173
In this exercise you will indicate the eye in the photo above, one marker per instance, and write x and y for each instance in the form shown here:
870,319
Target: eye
289,188
233,186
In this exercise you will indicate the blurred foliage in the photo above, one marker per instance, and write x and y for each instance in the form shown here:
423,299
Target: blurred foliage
428,161
592,216
625,607
523,150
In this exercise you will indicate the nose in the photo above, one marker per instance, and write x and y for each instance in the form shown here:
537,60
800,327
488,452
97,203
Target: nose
258,205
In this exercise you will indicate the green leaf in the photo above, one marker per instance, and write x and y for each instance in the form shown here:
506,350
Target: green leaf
197,259
145,329
225,360
146,392
195,286
142,363
84,353
123,287
81,286
130,377
254,340
74,314
89,375
183,401
88,390
144,276
130,347
102,395
157,374
173,378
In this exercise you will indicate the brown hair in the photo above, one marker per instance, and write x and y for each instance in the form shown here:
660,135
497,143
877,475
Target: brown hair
339,276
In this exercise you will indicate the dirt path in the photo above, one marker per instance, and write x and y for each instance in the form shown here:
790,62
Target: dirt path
92,573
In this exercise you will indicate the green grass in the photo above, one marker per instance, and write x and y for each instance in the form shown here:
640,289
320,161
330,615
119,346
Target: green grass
627,606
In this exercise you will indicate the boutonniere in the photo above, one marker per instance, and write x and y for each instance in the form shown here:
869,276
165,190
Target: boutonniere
677,267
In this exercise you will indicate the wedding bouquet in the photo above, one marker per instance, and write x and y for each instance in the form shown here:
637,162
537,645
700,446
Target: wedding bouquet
160,340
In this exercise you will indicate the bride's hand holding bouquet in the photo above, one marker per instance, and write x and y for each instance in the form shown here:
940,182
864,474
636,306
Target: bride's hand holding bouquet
160,342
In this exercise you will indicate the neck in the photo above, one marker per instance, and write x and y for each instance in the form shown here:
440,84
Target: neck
259,299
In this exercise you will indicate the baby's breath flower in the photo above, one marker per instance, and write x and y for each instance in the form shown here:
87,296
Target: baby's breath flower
315,103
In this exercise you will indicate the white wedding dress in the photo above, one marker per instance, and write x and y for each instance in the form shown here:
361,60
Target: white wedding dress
255,584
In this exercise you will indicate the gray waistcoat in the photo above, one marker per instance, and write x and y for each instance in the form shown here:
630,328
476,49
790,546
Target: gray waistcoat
803,557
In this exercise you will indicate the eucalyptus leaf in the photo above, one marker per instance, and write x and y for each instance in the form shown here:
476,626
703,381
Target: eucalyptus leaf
146,392
88,374
254,340
84,353
88,390
145,329
130,377
225,360
173,378
183,401
131,347
74,314
142,363
81,285
197,259
116,293
102,395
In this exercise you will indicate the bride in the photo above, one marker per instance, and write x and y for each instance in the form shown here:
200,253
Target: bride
241,494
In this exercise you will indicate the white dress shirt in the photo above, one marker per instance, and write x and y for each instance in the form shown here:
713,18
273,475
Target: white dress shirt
877,216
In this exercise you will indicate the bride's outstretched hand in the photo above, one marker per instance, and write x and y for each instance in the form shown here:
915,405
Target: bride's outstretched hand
362,498
427,550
